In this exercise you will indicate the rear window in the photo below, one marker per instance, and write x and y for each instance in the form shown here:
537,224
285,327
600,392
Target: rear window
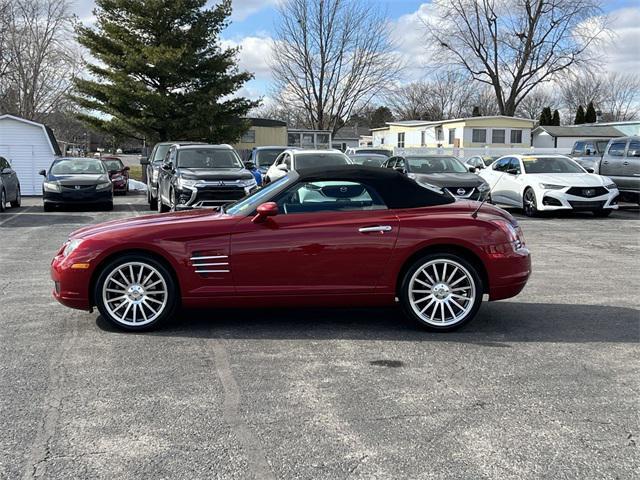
113,164
310,160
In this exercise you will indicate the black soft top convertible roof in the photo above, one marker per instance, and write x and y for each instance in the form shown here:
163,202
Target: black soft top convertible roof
396,189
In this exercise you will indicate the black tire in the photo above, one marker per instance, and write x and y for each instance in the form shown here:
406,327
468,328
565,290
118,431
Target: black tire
172,292
48,207
108,206
602,213
3,201
18,201
530,203
472,278
153,202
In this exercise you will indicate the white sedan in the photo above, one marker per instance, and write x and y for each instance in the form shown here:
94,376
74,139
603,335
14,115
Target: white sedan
292,160
538,183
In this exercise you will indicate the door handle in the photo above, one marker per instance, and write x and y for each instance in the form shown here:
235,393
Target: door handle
625,163
606,162
378,228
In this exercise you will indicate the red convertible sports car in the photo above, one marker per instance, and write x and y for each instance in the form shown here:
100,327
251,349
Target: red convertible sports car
348,236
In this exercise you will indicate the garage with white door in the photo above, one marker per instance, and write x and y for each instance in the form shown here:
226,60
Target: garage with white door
30,147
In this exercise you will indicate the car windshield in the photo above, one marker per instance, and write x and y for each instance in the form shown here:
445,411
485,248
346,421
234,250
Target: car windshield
208,158
550,165
368,160
249,204
161,151
373,151
435,165
113,164
265,158
80,166
320,159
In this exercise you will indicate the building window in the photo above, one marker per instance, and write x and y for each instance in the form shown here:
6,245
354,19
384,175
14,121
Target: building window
497,136
382,141
293,139
401,140
248,137
322,140
439,134
452,136
422,138
307,140
516,136
479,135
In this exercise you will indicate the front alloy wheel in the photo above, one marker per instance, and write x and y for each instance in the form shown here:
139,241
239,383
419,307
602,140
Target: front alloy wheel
529,203
136,292
441,292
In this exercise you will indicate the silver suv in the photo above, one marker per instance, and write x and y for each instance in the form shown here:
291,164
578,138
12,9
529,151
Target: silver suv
621,163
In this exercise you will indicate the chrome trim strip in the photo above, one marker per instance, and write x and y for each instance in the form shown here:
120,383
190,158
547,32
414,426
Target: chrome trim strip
209,264
209,257
212,271
379,228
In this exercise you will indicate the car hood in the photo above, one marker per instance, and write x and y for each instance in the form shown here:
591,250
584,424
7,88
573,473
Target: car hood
168,221
215,173
85,179
570,179
450,179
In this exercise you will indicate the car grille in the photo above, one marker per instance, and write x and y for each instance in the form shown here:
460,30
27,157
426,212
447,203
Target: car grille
75,188
587,192
222,194
586,205
470,193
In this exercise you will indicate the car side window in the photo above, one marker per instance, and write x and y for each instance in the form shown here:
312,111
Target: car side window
3,163
634,149
501,165
391,162
514,164
401,163
616,149
287,161
333,196
578,148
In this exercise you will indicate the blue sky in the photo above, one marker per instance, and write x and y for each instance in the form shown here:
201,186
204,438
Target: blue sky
253,23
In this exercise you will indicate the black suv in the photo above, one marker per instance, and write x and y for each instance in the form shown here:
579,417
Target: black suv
9,185
201,176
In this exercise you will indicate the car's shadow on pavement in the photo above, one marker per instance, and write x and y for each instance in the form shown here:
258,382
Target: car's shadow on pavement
497,324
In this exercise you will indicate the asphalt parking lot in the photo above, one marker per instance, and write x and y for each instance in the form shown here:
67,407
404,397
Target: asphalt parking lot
545,385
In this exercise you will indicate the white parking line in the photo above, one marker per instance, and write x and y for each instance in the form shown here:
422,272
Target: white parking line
14,215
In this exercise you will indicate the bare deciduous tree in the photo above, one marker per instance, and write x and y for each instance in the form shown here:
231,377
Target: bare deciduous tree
43,60
531,106
330,57
514,45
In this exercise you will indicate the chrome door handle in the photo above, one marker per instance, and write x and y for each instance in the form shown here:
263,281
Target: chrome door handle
606,162
378,228
625,163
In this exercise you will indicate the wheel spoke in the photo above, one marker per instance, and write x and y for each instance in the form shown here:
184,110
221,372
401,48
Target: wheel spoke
154,283
433,300
444,273
421,291
135,312
126,280
124,315
113,290
118,283
455,269
453,315
460,289
120,306
140,274
115,299
458,281
154,300
425,283
154,312
442,311
456,304
433,282
424,299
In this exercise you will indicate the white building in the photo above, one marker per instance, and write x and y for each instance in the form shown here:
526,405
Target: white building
30,147
563,137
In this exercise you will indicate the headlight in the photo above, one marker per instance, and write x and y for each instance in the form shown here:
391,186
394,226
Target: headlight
248,182
483,187
184,183
611,186
103,186
71,246
154,175
551,186
51,187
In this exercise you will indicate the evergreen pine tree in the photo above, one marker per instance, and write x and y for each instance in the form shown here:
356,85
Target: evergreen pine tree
590,114
556,118
546,117
380,117
580,117
161,72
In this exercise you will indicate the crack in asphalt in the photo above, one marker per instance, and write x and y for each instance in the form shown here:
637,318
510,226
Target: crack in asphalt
256,458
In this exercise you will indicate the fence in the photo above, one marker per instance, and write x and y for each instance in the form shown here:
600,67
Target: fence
464,153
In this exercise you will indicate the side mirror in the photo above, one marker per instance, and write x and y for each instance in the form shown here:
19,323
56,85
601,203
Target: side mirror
513,171
472,169
282,167
590,170
588,152
126,168
264,211
144,161
43,173
400,169
249,165
167,166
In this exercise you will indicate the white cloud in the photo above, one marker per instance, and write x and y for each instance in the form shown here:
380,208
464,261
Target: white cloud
254,55
621,53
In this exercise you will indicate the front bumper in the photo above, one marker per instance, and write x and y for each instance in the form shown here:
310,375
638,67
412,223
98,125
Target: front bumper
77,197
212,195
552,200
508,274
119,185
70,286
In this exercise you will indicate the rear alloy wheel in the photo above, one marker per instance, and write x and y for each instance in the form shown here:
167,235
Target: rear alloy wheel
3,201
602,212
18,201
441,291
529,203
136,292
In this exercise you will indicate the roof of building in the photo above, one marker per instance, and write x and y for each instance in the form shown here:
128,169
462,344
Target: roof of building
351,133
265,122
397,190
435,123
49,133
580,131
